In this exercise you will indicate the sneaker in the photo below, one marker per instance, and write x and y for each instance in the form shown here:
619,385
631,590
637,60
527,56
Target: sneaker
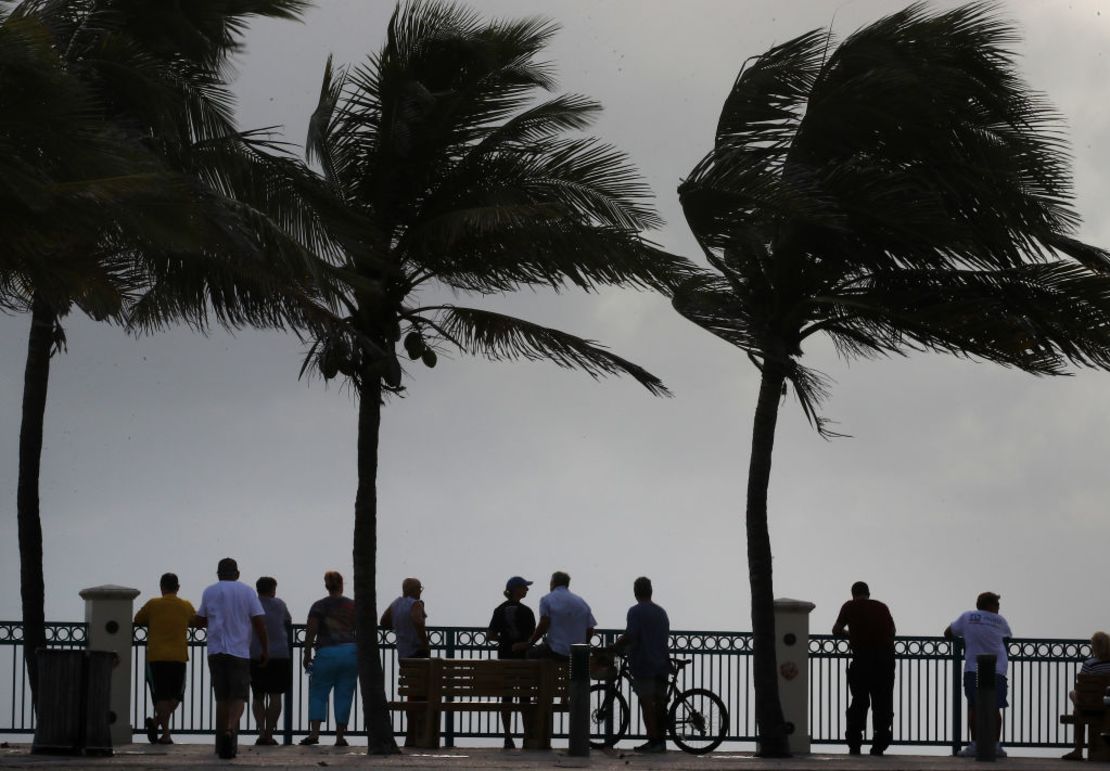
653,747
853,749
968,752
998,751
877,750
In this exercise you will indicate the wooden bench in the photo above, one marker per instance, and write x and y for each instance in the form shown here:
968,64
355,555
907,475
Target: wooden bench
429,687
1091,713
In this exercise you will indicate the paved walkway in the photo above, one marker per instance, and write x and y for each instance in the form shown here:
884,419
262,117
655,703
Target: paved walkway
182,756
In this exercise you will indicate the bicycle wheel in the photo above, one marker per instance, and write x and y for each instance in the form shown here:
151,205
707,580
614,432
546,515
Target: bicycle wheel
698,721
608,709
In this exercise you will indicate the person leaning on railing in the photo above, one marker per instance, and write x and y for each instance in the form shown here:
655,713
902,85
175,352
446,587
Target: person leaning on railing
167,619
1097,664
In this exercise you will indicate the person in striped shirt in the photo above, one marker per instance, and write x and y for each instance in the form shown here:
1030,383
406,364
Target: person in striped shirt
1097,664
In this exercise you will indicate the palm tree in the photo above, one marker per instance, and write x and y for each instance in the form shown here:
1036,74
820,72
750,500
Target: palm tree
464,183
901,191
183,240
60,161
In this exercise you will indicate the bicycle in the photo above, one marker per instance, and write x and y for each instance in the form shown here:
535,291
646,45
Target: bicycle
697,719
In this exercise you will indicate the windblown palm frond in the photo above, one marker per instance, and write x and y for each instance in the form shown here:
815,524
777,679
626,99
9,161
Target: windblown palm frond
500,338
910,152
466,182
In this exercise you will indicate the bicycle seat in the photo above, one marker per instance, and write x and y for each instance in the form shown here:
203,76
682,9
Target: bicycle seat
678,664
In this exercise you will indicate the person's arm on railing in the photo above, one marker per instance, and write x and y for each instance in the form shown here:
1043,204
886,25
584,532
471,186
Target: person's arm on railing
419,623
259,624
541,630
311,629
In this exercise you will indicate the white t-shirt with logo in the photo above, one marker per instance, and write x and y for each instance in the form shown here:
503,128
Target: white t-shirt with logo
229,607
983,632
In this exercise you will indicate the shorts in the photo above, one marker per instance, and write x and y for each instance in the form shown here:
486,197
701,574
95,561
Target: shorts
275,677
1001,688
650,687
231,676
166,680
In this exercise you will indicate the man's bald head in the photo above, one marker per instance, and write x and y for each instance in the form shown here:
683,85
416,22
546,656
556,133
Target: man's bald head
411,587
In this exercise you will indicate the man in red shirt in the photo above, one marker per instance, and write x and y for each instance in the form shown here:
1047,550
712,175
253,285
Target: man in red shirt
868,625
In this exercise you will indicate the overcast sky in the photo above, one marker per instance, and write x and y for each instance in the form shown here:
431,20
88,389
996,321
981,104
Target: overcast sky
169,452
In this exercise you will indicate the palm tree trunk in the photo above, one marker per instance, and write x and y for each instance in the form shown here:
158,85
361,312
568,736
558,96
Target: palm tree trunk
379,723
31,585
770,724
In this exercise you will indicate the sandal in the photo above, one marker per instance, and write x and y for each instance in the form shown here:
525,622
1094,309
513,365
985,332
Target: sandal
309,740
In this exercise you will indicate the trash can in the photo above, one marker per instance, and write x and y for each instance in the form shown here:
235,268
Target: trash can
74,709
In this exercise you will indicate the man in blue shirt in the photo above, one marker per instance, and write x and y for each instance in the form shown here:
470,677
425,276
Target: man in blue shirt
646,636
565,619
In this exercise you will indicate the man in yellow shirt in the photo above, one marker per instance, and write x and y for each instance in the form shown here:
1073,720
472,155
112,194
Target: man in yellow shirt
167,619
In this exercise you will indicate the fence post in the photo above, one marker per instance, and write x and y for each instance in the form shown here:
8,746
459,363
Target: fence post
287,718
579,698
986,713
792,654
957,694
109,610
449,716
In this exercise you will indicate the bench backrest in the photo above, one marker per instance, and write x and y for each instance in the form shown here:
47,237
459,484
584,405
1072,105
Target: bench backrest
478,678
1090,690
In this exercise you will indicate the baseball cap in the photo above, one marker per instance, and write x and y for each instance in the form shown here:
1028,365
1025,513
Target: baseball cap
516,581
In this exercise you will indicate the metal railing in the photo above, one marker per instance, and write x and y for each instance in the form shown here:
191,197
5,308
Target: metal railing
928,695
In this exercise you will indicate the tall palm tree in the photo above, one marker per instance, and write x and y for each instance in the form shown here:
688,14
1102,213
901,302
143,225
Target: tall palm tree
901,191
151,80
464,183
61,161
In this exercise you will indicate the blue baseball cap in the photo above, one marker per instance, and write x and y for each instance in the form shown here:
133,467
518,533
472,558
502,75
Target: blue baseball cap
516,581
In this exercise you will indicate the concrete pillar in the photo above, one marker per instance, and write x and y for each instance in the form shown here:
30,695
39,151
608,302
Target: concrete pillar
108,613
792,654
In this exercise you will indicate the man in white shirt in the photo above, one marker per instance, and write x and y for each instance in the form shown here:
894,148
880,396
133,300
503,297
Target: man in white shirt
983,631
565,618
229,610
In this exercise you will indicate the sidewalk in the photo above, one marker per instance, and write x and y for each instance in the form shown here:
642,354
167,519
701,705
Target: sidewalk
183,756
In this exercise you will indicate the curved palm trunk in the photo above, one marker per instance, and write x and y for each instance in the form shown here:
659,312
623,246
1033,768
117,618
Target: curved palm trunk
32,589
379,724
770,724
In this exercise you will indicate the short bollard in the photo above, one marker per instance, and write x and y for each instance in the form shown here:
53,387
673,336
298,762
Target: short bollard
578,691
986,713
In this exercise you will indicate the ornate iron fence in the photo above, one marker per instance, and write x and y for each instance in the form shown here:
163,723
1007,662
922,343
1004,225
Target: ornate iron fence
928,689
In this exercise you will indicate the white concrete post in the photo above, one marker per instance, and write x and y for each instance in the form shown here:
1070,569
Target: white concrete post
109,610
792,654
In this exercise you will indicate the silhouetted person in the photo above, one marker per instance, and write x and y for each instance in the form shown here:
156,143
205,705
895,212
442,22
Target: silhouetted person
1097,664
167,619
647,636
331,633
983,631
408,619
565,619
230,609
869,627
272,680
512,622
